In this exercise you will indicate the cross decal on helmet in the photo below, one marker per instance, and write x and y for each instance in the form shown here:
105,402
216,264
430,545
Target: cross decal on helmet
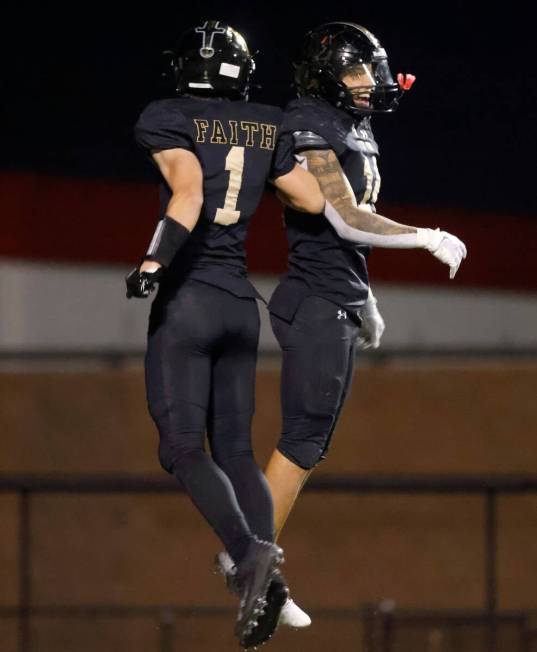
207,50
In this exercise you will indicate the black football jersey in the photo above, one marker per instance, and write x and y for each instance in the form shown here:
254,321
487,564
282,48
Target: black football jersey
320,262
237,145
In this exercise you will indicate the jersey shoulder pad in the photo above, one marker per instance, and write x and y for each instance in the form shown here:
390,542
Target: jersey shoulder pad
163,125
307,140
310,114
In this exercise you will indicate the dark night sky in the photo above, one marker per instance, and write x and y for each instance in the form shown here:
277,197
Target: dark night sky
74,83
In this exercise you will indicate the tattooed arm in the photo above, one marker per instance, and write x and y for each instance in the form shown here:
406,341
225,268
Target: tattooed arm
362,226
325,167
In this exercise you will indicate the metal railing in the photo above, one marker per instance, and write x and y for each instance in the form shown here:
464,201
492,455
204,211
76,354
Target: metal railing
114,358
385,629
490,487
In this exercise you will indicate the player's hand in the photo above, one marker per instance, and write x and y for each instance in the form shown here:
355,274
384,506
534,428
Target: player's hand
373,325
447,248
140,284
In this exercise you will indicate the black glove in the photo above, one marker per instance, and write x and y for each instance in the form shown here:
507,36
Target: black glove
141,284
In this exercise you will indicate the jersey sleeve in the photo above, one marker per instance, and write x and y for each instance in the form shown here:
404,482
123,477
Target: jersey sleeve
283,160
163,126
308,140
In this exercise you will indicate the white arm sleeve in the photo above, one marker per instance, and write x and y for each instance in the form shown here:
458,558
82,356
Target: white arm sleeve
422,239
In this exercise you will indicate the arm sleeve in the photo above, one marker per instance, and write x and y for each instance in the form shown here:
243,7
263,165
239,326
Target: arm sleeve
162,126
350,233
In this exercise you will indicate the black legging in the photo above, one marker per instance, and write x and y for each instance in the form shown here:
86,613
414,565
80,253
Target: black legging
200,378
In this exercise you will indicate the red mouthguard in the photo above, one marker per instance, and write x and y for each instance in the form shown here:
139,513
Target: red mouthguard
405,81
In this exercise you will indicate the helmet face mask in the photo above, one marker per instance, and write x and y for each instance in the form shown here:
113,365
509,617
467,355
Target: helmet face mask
340,51
213,60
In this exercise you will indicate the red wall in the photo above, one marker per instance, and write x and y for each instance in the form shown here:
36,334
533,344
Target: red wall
89,220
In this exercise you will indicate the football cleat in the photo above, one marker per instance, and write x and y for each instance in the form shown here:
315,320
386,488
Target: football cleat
224,565
253,578
269,617
293,616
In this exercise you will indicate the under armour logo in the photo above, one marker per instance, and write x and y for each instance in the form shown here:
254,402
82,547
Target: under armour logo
342,314
207,50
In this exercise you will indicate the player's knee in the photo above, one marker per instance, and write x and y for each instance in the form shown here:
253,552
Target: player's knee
176,459
237,448
305,454
305,441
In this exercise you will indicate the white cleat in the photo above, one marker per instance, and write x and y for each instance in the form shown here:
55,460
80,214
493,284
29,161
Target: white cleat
293,616
224,563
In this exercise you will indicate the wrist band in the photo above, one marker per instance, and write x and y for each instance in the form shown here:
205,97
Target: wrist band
168,238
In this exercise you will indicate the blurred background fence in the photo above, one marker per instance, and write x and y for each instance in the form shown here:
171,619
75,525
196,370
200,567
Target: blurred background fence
417,533
381,627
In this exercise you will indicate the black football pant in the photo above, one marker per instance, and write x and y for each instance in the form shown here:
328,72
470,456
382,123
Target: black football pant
317,366
200,379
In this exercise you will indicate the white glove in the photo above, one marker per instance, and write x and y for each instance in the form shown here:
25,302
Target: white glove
447,248
372,324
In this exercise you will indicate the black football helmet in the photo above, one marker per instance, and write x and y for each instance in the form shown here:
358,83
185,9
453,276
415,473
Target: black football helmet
331,51
212,59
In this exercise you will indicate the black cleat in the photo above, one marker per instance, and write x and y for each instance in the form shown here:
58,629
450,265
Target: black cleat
253,577
224,565
268,620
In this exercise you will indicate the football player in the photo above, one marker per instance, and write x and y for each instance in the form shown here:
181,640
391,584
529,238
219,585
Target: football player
324,305
214,151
